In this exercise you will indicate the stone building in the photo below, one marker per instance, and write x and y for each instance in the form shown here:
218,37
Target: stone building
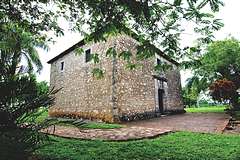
122,94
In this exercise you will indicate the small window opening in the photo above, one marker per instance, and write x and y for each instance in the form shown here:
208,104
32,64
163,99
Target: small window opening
88,55
62,66
158,61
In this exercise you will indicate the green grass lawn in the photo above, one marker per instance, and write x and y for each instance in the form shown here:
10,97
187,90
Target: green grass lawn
95,125
174,146
37,117
206,109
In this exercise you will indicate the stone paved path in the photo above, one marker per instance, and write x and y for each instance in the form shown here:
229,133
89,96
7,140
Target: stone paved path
121,134
194,122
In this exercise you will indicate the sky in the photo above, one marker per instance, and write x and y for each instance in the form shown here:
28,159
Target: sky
229,15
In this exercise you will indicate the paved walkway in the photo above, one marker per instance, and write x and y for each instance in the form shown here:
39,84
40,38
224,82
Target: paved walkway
121,134
194,122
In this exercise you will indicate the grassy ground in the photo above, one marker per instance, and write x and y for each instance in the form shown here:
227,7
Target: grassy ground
175,146
94,125
206,109
42,116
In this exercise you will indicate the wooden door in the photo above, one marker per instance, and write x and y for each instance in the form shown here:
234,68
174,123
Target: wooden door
160,100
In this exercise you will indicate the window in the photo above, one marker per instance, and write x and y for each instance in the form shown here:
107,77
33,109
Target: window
88,55
158,61
61,66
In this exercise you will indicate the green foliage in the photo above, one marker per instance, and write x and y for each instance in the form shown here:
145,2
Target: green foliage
192,90
37,117
131,65
125,55
97,73
162,67
146,50
35,16
20,97
174,146
190,96
20,100
20,93
22,27
158,22
111,52
220,61
42,87
95,58
79,51
16,45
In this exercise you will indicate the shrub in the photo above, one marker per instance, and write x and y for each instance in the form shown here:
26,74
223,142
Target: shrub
20,97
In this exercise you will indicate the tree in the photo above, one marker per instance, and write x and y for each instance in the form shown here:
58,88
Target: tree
223,90
219,67
16,44
23,27
19,98
42,87
155,22
20,95
190,96
192,90
35,16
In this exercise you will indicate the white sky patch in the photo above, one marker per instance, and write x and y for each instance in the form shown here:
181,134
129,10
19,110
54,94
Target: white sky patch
228,14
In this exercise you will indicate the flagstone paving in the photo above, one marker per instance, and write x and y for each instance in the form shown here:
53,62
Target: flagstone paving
120,134
194,122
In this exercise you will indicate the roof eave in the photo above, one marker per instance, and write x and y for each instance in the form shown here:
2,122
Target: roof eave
79,44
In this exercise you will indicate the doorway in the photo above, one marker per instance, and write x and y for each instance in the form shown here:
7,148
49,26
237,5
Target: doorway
160,100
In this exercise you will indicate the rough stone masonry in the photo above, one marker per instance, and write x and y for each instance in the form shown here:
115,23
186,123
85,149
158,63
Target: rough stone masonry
122,94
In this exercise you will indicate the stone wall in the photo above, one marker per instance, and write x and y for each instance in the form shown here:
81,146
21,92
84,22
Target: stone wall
135,88
120,93
82,95
174,99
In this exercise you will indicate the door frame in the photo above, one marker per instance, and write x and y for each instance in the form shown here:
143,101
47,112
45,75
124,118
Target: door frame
159,88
